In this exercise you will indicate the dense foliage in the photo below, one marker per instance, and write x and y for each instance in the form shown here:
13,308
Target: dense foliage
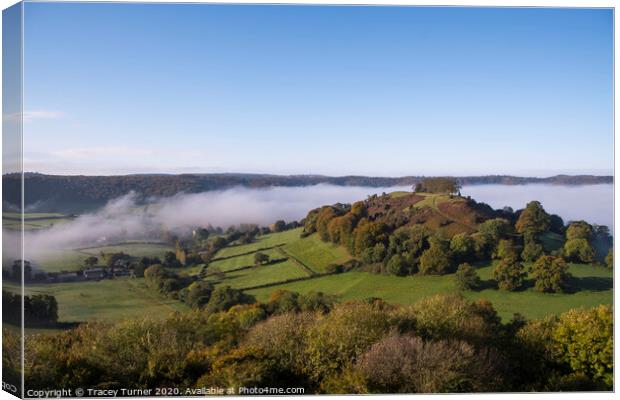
441,344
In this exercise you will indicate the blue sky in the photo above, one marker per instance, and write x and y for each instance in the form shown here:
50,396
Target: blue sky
122,88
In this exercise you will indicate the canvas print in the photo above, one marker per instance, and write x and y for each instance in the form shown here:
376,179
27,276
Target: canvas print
216,199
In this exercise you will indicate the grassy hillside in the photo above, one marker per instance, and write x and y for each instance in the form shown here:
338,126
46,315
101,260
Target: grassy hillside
106,300
595,285
73,260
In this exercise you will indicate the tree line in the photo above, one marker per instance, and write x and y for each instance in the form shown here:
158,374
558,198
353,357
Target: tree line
96,190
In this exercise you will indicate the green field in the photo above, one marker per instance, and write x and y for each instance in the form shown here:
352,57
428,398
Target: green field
593,284
596,283
33,221
261,275
240,261
106,300
315,253
73,260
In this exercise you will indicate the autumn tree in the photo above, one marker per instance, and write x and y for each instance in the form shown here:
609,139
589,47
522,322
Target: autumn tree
462,246
437,259
532,221
531,251
579,230
509,274
584,340
550,274
578,250
467,278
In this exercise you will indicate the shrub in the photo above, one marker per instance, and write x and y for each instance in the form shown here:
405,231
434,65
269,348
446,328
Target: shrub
584,339
334,268
282,301
396,265
224,297
341,336
407,364
198,294
467,278
260,258
450,316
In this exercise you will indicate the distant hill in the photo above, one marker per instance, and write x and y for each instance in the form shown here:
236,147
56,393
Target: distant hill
94,190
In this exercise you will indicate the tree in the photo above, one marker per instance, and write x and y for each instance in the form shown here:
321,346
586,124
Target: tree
91,261
278,226
584,340
325,215
368,234
533,220
438,185
498,228
462,246
509,274
467,278
579,230
198,294
531,251
436,260
170,260
550,274
609,259
224,297
260,258
578,250
556,224
396,265
506,248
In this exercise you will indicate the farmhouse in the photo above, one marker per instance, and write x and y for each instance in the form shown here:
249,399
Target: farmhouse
94,273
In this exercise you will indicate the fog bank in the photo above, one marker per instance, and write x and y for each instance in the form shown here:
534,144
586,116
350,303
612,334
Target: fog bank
126,219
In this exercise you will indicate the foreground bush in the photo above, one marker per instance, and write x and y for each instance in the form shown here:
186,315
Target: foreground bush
444,343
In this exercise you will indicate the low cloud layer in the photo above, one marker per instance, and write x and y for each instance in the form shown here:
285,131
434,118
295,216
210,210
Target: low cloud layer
125,219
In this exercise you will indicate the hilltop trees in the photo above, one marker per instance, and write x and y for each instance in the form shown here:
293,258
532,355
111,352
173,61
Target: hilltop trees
438,185
550,274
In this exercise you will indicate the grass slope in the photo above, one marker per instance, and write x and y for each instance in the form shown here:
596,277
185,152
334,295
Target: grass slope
106,300
595,282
